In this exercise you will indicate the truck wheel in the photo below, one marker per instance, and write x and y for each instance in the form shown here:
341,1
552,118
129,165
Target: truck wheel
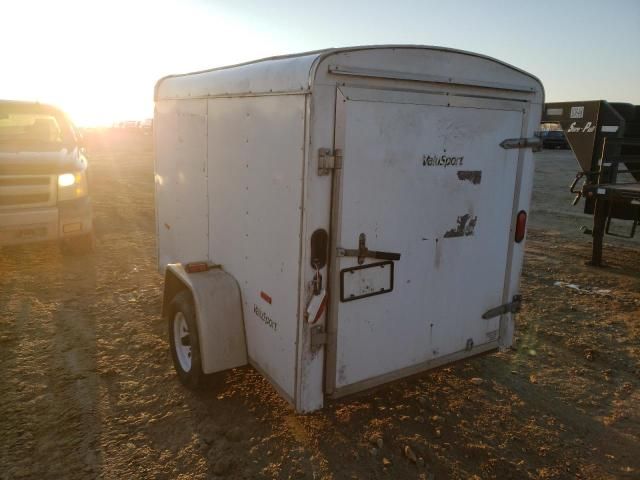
184,341
79,245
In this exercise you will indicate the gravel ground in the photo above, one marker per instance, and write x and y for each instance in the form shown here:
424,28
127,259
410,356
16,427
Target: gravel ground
87,388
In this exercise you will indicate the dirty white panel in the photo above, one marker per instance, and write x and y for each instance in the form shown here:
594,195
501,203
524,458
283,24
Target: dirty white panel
255,194
317,215
523,203
431,183
180,132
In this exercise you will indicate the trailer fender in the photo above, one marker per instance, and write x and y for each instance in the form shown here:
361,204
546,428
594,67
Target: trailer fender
218,307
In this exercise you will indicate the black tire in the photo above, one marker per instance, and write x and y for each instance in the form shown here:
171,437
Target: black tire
193,377
78,245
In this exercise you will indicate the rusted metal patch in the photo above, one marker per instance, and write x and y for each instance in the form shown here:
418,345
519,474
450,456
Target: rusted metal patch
473,176
465,228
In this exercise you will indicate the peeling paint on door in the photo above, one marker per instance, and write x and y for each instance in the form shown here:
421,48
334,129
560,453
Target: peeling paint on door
473,176
465,228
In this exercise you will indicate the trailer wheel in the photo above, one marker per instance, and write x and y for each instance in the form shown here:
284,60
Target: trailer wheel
184,341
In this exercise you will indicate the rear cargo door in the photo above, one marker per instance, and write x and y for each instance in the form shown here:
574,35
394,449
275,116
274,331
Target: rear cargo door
423,178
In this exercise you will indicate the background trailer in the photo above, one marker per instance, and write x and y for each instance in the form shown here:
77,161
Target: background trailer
605,139
342,218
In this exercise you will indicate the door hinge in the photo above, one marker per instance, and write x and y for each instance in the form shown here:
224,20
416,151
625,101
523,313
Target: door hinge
318,336
329,160
363,252
511,307
530,142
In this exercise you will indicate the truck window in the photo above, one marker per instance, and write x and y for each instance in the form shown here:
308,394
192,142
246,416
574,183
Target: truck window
23,130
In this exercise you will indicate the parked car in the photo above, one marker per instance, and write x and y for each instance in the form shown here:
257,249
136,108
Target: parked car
554,139
44,193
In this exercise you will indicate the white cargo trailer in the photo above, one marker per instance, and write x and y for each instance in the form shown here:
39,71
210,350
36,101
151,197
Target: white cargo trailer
342,218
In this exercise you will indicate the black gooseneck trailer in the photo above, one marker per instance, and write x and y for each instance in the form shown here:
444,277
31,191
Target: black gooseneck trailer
605,138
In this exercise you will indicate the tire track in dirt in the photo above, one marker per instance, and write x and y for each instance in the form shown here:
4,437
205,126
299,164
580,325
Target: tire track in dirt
49,369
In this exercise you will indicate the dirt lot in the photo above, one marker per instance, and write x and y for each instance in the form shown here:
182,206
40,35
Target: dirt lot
87,388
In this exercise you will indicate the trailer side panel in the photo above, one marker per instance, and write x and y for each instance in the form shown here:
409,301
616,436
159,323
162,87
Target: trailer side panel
256,148
181,181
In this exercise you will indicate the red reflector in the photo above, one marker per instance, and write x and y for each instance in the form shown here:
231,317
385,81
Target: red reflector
323,307
521,225
265,297
196,267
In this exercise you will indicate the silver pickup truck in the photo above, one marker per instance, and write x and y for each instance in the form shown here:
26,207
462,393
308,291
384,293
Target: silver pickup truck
44,191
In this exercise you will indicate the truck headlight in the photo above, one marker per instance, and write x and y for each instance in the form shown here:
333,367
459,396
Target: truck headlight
72,185
66,180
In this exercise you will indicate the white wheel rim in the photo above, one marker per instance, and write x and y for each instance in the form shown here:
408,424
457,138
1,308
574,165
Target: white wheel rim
181,337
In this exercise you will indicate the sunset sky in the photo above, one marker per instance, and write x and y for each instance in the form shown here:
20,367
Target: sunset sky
99,60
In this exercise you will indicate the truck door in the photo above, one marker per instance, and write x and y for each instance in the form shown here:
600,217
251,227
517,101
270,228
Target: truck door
422,213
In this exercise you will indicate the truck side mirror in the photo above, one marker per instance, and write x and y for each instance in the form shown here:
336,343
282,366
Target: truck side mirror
319,248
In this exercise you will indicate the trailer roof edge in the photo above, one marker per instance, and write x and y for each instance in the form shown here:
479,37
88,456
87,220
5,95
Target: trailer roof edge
324,53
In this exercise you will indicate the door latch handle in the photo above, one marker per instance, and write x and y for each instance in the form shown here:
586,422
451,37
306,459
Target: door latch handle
363,252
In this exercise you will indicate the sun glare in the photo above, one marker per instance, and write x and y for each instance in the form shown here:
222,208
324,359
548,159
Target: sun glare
99,61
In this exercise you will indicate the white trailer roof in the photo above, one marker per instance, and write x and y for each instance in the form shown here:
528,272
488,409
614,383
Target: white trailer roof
295,74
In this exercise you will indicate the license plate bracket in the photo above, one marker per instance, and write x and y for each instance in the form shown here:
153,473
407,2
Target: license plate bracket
366,280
